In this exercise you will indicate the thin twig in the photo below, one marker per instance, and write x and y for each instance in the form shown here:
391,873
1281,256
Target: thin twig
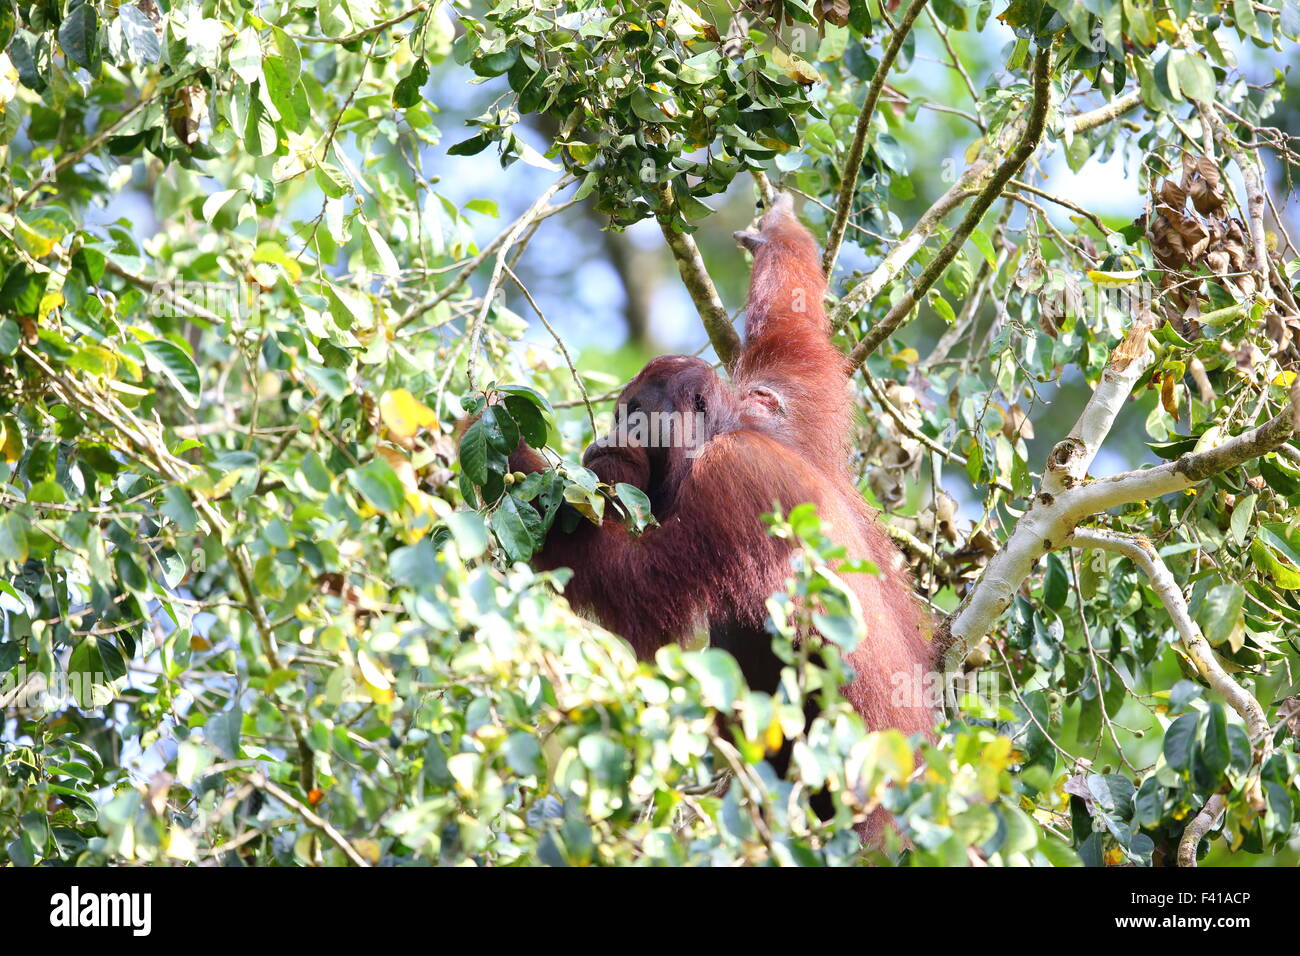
568,360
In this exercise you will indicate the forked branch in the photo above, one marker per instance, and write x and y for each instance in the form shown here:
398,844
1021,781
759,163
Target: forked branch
988,193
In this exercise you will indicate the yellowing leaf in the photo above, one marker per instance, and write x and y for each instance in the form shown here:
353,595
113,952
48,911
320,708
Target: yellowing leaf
368,849
795,67
1285,379
378,684
8,79
1212,437
1114,279
404,414
589,504
401,465
36,244
773,738
49,302
11,440
905,357
997,753
227,482
1169,395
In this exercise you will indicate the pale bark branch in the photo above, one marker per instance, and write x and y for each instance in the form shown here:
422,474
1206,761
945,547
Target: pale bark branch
539,210
1141,552
1066,495
1082,122
1195,831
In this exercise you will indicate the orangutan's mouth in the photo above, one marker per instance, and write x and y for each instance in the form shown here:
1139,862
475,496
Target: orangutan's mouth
613,452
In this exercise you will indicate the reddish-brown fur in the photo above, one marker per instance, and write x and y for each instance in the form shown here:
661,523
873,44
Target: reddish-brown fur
777,435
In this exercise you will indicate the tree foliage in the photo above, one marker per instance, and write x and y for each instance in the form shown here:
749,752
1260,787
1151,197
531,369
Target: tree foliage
256,607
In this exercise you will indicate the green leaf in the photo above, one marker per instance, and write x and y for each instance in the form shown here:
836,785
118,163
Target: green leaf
79,36
141,39
385,263
416,566
529,419
518,528
88,669
1195,77
379,485
13,538
500,428
1215,752
719,677
259,132
281,85
330,381
175,364
1056,584
10,336
410,88
177,506
1180,742
1276,550
1220,615
494,64
941,306
637,505
470,147
1242,512
470,533
224,730
644,106
246,55
524,754
475,452
47,492
287,48
534,396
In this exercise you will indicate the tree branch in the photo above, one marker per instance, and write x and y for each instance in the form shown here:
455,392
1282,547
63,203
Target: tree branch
916,434
539,210
714,315
51,173
368,31
1082,122
1254,193
858,146
1195,831
1010,165
1066,496
261,782
965,186
1141,552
